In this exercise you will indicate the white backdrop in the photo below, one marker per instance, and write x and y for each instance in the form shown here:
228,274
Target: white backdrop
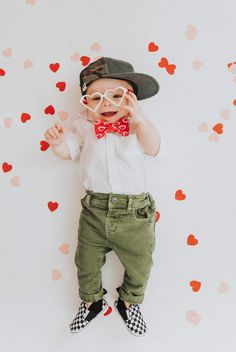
190,299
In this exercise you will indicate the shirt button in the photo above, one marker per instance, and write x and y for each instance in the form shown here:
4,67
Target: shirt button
114,199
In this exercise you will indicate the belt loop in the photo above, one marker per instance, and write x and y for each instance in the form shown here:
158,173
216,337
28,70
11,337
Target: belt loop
150,197
88,199
88,196
130,205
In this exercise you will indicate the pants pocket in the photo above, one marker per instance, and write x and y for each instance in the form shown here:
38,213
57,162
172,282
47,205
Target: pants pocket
84,206
145,213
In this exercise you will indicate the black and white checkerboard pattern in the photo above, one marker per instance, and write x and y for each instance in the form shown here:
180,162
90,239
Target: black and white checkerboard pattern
80,322
135,322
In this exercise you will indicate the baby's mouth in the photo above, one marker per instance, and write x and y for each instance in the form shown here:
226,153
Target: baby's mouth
109,113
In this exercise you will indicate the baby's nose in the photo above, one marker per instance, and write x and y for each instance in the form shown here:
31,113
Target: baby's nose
105,101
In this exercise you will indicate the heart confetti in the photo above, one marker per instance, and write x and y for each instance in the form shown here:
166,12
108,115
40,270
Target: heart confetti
193,317
56,275
15,181
7,52
61,86
25,117
54,67
152,47
6,167
64,248
196,285
52,206
192,240
85,60
179,195
49,110
44,145
191,32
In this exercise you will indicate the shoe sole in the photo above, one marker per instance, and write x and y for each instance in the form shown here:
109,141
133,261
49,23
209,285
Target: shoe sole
91,321
114,304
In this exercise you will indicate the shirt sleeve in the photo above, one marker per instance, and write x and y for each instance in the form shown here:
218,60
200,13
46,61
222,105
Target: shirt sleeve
75,137
148,156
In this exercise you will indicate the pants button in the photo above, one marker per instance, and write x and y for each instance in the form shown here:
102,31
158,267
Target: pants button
114,199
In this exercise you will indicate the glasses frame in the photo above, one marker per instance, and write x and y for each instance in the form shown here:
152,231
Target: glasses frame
82,99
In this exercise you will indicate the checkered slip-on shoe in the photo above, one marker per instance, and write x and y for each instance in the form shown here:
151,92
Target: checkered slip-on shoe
132,317
86,316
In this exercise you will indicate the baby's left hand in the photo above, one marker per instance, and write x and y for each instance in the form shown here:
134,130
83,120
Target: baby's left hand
135,113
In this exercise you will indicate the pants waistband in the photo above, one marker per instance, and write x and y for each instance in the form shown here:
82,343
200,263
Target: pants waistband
100,195
118,200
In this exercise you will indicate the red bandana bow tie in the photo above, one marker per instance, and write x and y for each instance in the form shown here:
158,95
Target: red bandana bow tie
121,126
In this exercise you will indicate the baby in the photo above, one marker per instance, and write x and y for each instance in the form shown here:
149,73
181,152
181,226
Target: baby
113,141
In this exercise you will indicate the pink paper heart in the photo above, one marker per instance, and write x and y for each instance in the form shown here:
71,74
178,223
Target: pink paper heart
64,248
223,287
191,32
193,317
95,46
28,64
8,121
15,181
225,114
232,69
75,57
197,64
56,275
214,137
63,115
203,127
7,52
30,2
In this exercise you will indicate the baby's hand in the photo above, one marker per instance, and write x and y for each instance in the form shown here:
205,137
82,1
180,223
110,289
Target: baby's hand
55,134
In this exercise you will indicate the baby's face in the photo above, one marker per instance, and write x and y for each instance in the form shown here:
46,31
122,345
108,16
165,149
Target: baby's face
101,85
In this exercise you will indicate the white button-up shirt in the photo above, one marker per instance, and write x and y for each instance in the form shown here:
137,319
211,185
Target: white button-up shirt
113,163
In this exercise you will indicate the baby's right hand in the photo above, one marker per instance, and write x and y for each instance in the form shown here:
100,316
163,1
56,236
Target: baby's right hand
55,134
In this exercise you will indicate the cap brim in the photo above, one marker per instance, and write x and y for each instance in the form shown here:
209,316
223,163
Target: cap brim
146,84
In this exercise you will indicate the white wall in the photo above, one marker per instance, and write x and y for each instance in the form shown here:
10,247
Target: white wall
38,279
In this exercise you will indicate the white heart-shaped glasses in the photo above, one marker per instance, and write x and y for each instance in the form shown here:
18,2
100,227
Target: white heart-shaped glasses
93,101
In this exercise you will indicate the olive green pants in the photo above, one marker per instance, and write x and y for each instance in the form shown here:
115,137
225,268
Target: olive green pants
123,223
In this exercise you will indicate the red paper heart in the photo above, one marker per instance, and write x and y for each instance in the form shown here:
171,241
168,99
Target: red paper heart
6,167
85,60
2,72
171,69
52,206
54,67
61,86
49,110
179,195
25,117
108,311
191,240
157,215
196,285
163,62
152,47
218,128
44,145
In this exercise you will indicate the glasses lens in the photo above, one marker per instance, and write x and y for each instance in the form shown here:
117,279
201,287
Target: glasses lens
115,96
91,101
